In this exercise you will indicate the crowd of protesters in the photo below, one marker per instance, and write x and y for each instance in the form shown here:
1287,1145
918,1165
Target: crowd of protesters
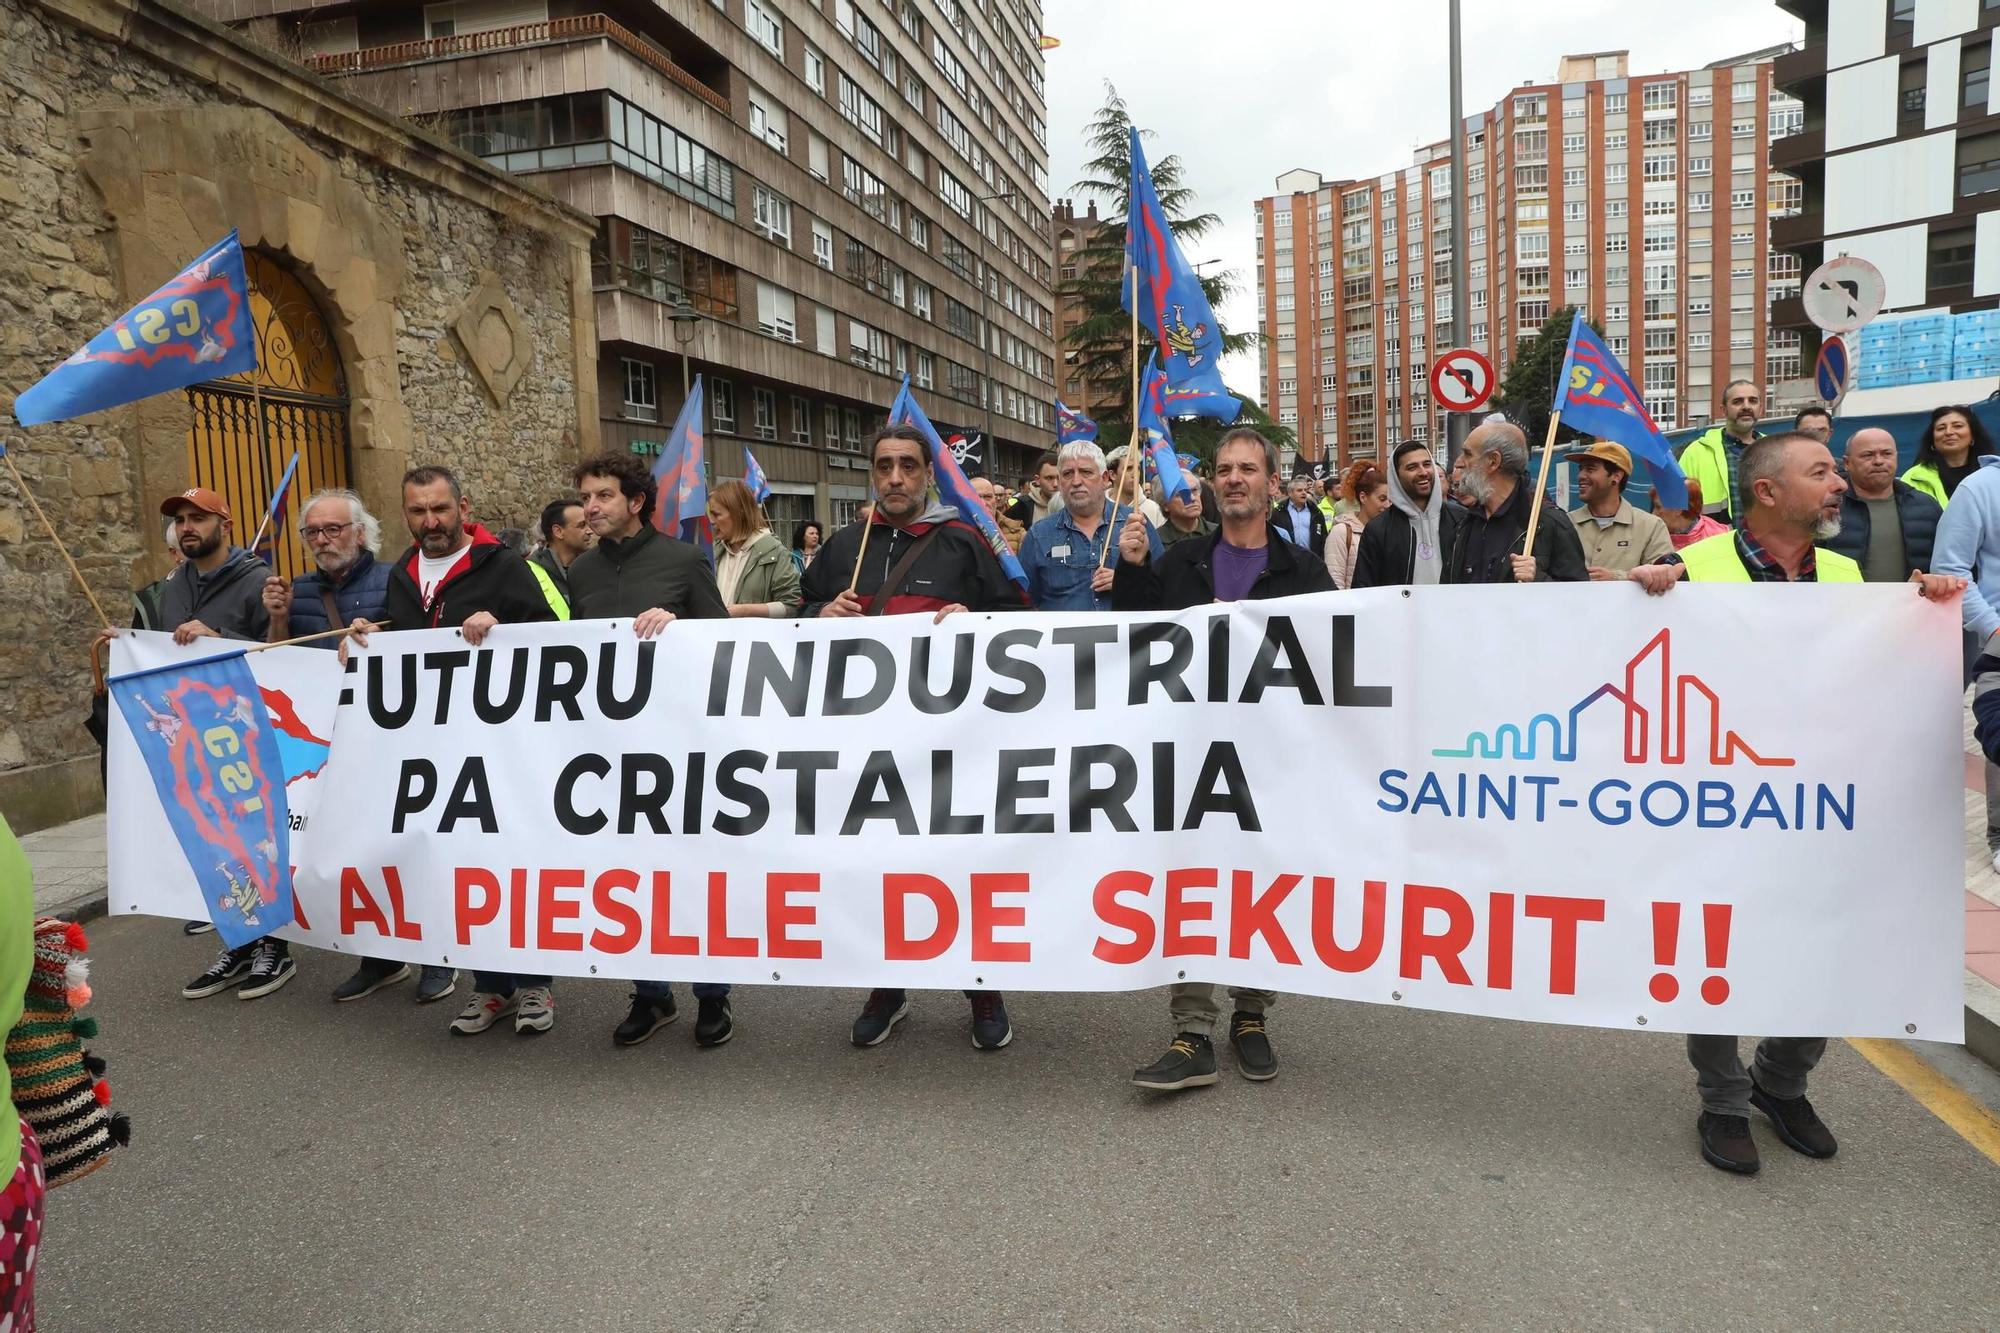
1776,508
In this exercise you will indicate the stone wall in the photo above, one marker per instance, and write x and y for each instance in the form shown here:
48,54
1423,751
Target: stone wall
136,134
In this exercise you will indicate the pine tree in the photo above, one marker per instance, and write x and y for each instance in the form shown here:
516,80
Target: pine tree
1102,341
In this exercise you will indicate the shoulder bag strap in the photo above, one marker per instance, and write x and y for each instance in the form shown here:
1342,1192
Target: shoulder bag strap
899,571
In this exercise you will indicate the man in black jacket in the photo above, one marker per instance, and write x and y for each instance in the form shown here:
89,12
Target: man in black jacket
1886,525
921,559
459,574
637,571
1247,557
1406,543
1300,518
1487,546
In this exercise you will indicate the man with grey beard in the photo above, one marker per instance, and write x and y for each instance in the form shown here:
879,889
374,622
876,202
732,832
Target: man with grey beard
1489,546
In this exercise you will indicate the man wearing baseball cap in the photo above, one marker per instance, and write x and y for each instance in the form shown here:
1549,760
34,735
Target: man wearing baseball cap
1616,537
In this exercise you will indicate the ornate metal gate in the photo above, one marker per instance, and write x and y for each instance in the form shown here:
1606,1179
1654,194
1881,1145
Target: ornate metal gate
247,427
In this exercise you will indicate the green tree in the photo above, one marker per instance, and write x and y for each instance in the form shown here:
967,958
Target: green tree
1529,387
1102,341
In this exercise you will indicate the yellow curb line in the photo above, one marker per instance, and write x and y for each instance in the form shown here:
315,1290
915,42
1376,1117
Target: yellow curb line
1946,1100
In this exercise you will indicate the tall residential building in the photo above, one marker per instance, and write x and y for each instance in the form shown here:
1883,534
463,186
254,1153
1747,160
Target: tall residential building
1898,149
843,192
1073,233
1645,201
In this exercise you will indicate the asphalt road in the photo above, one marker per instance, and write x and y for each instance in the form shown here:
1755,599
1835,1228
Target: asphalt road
302,1166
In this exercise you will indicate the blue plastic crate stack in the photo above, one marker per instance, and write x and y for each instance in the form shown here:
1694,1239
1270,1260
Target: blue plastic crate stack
1915,350
1975,344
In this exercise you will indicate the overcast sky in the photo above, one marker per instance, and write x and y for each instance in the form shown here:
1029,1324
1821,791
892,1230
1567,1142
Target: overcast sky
1246,90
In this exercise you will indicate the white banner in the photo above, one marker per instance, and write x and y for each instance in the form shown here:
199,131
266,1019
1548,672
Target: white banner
1726,810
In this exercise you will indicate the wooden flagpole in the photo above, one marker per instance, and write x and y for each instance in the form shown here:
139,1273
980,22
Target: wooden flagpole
1131,448
50,528
373,625
1541,483
855,579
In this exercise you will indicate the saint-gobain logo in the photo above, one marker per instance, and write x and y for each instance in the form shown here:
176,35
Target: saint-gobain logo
1668,719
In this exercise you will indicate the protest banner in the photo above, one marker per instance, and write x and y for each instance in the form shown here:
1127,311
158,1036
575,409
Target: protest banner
1663,812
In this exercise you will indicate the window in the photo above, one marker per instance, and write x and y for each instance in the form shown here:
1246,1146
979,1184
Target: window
1615,141
868,346
642,394
662,154
1979,164
1576,212
815,71
1976,78
767,119
926,374
1616,314
764,413
764,26
822,244
1617,243
1614,173
1573,178
1659,167
1701,131
801,421
1614,104
863,110
722,405
1743,199
920,299
1573,143
777,312
1659,96
1616,208
772,214
1701,201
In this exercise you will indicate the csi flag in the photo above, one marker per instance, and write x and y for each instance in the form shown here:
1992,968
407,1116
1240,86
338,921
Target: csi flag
682,510
1154,435
196,327
274,515
1595,395
953,488
753,477
214,757
1073,425
1169,298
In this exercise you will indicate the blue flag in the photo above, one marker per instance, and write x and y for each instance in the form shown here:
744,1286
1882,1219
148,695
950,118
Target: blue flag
1595,395
274,514
1155,435
197,327
1170,300
207,739
953,488
682,469
753,476
1073,425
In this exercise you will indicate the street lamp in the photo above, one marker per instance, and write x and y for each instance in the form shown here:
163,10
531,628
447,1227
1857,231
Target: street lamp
686,319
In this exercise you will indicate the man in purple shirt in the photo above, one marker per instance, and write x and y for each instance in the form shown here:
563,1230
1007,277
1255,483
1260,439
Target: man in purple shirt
1247,557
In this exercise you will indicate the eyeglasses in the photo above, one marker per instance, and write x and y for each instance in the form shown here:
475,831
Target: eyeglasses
324,530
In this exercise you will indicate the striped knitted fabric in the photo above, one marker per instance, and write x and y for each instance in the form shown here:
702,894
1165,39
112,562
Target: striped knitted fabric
56,1088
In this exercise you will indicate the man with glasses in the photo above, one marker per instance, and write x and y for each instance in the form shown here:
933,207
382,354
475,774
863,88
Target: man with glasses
349,586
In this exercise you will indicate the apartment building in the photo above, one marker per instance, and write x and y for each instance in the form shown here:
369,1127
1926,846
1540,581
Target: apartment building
1073,234
1646,201
800,201
1898,150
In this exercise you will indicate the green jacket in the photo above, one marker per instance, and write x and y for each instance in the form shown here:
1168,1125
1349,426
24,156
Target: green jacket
1706,462
1715,560
769,576
1924,477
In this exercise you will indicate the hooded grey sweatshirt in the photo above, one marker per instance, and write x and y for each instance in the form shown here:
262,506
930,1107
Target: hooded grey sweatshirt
1427,559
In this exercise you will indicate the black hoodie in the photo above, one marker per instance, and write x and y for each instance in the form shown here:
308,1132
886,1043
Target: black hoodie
494,579
230,601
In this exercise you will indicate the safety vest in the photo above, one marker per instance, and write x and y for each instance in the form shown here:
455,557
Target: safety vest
1924,477
550,593
1715,560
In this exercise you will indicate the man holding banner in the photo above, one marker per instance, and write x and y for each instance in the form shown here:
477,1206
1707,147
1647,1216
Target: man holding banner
1247,557
922,558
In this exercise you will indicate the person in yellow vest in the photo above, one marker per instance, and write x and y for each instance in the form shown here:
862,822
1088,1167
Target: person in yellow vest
1949,452
1715,458
1791,495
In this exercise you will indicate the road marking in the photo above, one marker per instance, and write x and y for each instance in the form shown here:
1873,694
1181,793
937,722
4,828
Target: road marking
1945,1099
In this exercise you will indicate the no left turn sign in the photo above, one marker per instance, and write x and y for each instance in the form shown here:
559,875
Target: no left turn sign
1461,380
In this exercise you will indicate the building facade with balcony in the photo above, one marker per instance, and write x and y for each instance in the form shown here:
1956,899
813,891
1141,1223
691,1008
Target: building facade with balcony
829,195
1898,150
1073,233
1645,201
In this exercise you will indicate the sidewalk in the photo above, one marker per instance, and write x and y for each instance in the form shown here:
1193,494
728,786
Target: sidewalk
69,869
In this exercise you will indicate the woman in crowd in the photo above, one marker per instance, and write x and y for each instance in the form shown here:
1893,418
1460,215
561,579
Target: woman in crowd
1687,526
1364,489
752,568
805,544
1948,453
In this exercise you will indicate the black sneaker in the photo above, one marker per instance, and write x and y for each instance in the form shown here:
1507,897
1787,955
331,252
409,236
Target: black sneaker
1799,1126
990,1028
229,967
1188,1063
435,983
1726,1143
371,976
713,1023
885,1009
198,928
271,966
1255,1059
648,1015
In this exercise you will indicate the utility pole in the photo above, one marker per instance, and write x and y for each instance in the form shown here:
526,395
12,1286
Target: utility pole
1457,423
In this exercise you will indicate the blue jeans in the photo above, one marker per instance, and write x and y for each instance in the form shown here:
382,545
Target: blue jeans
503,983
660,990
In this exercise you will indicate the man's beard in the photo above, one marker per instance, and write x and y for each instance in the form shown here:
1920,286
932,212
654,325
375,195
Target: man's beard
1476,487
1827,526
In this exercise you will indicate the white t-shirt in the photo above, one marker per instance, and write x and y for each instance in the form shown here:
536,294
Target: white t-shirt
431,572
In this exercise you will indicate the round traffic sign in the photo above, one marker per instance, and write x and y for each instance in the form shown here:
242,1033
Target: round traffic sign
1830,370
1461,380
1844,293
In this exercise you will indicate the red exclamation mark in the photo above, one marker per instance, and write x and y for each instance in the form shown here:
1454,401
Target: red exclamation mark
1666,942
1715,938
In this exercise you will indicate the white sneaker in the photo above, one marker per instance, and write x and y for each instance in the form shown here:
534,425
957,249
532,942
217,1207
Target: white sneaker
537,1010
481,1012
1996,860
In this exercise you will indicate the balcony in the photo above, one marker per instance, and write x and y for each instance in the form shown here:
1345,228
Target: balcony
550,32
1797,150
1795,68
1793,232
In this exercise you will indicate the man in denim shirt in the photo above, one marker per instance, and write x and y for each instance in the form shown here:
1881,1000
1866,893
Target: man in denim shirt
1063,554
